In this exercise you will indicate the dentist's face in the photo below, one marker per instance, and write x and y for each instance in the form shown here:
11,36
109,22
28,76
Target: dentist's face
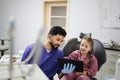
55,40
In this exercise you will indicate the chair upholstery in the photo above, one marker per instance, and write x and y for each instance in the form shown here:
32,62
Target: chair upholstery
98,50
71,45
3,48
85,34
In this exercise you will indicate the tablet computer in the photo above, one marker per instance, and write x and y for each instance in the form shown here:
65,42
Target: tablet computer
78,64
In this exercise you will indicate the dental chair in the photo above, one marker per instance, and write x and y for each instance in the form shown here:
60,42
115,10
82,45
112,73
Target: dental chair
98,49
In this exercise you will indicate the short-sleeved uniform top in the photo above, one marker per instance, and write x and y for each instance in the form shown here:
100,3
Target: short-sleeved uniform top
48,61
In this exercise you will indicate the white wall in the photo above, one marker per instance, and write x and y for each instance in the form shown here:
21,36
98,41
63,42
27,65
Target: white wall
84,17
28,17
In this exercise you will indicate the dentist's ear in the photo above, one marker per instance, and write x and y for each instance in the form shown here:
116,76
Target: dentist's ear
49,37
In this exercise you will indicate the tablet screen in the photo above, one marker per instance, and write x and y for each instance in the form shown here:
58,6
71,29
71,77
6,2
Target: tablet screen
78,64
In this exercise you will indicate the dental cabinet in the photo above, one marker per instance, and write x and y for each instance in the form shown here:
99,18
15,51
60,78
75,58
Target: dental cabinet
109,68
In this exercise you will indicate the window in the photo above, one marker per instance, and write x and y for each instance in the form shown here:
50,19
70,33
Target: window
55,14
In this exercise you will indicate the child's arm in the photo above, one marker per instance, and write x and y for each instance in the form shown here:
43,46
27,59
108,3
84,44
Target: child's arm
93,67
81,73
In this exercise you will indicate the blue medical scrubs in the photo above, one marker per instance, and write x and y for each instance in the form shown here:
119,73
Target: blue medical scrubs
48,62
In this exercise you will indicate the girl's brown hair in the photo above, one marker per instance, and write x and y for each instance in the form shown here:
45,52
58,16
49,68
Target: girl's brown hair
90,41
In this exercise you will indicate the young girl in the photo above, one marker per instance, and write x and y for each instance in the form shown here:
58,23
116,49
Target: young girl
90,62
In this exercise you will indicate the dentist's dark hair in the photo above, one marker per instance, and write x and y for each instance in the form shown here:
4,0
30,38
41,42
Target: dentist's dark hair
57,30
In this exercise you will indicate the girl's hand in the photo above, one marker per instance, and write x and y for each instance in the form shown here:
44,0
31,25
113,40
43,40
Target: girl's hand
81,73
78,73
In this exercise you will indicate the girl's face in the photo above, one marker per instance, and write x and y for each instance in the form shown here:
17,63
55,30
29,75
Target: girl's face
85,47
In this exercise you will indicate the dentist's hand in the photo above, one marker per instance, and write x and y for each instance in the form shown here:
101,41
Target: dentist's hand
68,68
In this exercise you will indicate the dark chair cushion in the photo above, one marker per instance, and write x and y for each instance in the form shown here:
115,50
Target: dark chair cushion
94,79
71,45
98,50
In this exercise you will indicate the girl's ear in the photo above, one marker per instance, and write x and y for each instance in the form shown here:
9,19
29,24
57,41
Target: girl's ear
91,50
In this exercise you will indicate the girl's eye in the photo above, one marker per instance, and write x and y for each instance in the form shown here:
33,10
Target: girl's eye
86,46
82,45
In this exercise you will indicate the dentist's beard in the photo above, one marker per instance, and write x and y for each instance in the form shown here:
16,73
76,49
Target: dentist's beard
53,45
